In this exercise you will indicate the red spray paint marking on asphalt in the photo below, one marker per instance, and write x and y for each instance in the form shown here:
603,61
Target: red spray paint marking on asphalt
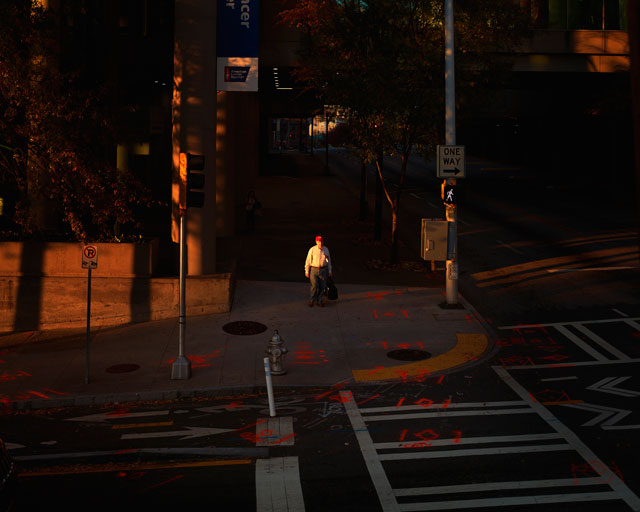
597,469
367,400
160,484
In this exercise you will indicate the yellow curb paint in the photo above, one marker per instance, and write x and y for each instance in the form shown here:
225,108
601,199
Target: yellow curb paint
469,347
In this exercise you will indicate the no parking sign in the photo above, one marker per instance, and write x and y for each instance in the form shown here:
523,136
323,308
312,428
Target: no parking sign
89,256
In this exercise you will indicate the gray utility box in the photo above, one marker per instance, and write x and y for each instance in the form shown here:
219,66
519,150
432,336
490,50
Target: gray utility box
434,238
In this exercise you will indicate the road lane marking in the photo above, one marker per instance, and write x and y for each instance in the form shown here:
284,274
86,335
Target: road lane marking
278,431
469,347
278,487
371,459
584,322
508,246
447,414
497,486
621,490
474,452
592,269
116,415
190,433
403,445
130,466
580,343
510,501
143,425
447,405
604,344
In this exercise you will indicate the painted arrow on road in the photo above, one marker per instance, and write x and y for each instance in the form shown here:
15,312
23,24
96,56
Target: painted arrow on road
191,433
102,417
608,416
608,385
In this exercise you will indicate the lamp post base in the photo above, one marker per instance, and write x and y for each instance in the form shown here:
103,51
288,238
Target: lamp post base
181,369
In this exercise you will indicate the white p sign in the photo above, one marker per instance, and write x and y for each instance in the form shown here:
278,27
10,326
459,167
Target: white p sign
89,256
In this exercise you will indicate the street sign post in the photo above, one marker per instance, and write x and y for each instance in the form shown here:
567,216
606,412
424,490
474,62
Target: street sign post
450,162
89,261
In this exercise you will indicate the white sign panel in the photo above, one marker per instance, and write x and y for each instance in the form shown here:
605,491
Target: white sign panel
89,256
450,160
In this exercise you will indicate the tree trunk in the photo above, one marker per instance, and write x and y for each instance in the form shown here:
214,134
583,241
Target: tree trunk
395,207
377,218
364,207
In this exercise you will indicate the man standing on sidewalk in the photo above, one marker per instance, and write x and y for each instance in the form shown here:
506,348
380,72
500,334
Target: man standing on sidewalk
316,268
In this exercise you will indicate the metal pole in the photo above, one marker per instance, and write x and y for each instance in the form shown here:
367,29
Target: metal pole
267,373
450,140
181,368
326,142
86,374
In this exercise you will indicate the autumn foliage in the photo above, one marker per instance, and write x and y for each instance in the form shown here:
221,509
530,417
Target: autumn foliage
58,178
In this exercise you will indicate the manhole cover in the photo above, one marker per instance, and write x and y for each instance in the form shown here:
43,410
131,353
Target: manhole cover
408,355
244,328
123,368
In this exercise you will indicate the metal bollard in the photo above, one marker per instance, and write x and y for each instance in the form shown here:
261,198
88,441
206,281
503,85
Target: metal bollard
276,351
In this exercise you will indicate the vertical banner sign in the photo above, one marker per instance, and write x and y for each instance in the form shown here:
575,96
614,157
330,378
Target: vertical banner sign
237,45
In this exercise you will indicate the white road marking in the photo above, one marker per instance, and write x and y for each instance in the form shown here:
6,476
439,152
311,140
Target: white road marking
584,346
497,486
504,244
371,459
278,431
633,324
621,490
454,405
190,433
604,344
509,501
115,415
442,414
551,379
607,385
612,415
465,440
593,269
474,452
554,324
619,312
278,487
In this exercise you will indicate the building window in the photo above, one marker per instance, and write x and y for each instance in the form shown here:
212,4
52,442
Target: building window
579,14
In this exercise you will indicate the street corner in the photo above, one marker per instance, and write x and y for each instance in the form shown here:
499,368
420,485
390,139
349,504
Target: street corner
469,347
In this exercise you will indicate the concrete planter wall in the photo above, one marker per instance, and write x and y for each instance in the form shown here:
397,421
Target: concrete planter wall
42,286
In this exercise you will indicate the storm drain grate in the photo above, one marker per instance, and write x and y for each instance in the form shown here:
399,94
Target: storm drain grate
244,328
408,355
123,368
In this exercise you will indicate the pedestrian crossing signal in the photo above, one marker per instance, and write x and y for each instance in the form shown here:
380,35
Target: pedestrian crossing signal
448,193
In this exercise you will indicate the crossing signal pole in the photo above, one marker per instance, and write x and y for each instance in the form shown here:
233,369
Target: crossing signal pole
450,140
188,193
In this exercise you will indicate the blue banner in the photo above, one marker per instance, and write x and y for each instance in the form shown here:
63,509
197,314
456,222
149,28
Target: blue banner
237,45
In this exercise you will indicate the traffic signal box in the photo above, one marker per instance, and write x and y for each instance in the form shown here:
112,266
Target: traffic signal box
195,180
187,189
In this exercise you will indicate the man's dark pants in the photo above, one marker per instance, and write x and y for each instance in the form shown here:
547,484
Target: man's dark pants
318,278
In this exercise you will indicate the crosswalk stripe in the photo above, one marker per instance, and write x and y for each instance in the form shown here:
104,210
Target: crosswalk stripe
278,487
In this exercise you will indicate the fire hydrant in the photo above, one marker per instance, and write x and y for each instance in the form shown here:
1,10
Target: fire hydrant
276,351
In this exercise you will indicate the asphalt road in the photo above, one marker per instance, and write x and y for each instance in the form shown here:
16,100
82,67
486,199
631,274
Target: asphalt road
531,248
549,422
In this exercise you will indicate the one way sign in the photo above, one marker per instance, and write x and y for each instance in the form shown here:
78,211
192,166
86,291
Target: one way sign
450,162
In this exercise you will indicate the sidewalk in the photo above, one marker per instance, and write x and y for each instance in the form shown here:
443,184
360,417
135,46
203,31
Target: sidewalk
379,311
